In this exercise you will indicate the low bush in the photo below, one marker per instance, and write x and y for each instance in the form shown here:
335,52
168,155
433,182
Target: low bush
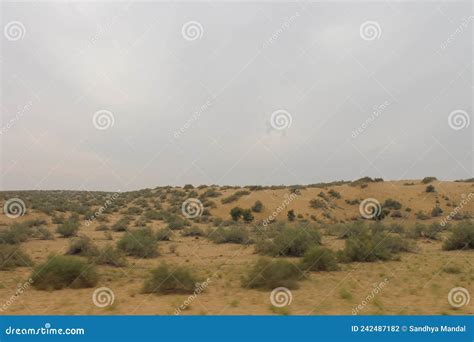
170,279
139,243
64,271
234,197
291,215
430,188
270,274
427,180
164,234
121,225
12,256
102,227
319,259
369,246
437,211
462,237
334,193
257,207
289,241
193,231
317,204
232,234
68,228
392,204
82,246
110,256
15,234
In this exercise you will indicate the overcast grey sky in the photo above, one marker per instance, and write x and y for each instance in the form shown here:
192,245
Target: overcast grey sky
190,90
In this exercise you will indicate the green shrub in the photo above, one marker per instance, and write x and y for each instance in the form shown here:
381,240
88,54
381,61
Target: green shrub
334,193
164,234
427,180
234,197
121,225
369,246
317,204
177,222
291,215
289,242
247,215
236,213
82,246
43,233
437,211
392,204
462,237
12,256
64,271
421,215
231,234
270,274
102,227
68,228
170,279
319,259
15,234
139,243
110,256
193,231
257,207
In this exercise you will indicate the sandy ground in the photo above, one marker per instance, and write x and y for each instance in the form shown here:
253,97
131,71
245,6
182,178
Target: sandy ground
416,284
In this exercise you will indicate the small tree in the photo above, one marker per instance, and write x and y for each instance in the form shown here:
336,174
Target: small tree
257,207
236,213
437,211
291,215
247,215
